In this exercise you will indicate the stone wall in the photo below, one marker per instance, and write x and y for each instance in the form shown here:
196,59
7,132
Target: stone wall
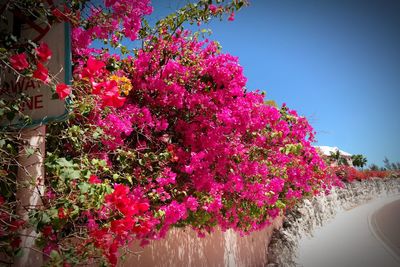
315,212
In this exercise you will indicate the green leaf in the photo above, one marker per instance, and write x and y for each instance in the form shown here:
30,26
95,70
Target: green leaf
279,204
45,218
129,178
84,187
75,210
54,255
82,198
64,163
96,135
69,173
239,5
53,213
18,253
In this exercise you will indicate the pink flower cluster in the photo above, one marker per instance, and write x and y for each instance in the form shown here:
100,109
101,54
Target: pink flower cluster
350,174
203,151
231,161
127,214
119,18
168,137
42,54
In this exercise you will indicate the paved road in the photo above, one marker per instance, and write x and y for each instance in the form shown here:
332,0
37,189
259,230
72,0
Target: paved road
366,236
385,224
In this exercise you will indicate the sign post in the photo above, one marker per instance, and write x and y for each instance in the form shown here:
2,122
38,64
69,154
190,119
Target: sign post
30,188
42,108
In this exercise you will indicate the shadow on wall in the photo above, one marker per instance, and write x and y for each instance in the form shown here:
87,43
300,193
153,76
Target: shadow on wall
182,247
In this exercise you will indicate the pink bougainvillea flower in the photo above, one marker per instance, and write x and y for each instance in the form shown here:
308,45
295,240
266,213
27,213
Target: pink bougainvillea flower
93,66
43,52
50,194
47,230
220,147
41,73
61,213
191,203
19,61
213,9
49,248
232,17
63,90
112,98
93,179
16,242
142,206
15,225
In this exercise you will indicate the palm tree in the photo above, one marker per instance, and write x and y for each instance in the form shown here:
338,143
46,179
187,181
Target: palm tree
337,158
359,160
335,155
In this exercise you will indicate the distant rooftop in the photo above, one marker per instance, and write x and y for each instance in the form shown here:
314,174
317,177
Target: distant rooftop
328,149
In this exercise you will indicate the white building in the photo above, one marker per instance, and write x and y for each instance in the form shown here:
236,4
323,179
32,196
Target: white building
327,151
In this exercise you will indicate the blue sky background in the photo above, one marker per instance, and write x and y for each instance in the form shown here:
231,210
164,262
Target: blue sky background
337,62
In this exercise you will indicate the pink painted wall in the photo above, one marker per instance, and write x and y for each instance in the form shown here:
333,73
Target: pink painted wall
182,247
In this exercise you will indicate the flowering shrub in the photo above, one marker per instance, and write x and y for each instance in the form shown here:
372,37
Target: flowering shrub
349,174
166,137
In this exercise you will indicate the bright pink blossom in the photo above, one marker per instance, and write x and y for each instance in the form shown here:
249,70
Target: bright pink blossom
93,179
62,213
191,203
47,230
196,146
19,61
63,90
41,73
43,52
231,17
93,67
213,9
15,225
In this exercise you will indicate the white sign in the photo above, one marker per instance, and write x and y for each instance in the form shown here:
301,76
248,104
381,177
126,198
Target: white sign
40,106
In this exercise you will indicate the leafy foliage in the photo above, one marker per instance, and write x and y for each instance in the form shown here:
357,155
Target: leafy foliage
391,165
359,160
168,136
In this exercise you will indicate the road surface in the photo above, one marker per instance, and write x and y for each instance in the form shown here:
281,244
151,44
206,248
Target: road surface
366,236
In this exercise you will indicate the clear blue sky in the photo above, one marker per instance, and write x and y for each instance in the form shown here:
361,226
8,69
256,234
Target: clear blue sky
337,62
